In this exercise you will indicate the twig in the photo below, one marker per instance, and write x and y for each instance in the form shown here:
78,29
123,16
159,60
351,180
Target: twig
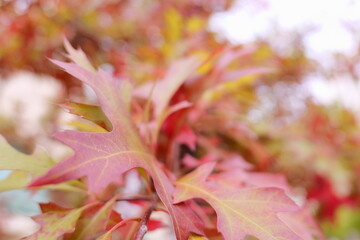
144,222
135,198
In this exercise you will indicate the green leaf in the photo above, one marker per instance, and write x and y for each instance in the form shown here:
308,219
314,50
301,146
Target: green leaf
11,159
16,180
56,223
88,227
89,112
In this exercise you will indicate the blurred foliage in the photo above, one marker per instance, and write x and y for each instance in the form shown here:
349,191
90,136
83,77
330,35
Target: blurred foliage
274,126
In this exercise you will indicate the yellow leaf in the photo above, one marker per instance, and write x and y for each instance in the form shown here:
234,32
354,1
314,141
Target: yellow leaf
89,227
194,24
173,27
16,180
55,224
86,127
197,237
207,65
11,159
78,57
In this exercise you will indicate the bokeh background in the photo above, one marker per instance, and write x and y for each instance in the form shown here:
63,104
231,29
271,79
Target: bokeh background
299,98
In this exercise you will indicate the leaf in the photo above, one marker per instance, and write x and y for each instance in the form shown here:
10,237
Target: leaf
71,186
88,227
51,207
179,71
94,152
16,180
177,74
105,236
11,159
56,223
103,157
237,177
85,126
88,112
347,221
231,54
303,223
78,57
108,234
173,20
241,73
154,224
188,137
197,237
240,212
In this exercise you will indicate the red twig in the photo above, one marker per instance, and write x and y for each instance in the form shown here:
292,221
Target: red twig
144,222
134,198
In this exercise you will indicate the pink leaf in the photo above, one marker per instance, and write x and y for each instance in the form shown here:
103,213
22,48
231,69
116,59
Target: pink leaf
240,212
103,157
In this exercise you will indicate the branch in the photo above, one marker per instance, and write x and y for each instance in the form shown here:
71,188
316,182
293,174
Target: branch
135,198
144,222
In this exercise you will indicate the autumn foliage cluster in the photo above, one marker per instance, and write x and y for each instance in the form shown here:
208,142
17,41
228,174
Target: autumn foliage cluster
172,114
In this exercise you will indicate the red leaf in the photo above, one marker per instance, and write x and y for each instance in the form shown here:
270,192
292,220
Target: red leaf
154,224
103,157
303,224
240,212
253,179
188,137
323,192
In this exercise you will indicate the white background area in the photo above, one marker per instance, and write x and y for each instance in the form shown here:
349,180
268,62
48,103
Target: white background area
331,26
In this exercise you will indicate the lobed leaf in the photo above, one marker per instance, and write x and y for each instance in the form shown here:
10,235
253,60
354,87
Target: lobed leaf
303,223
103,157
240,212
78,57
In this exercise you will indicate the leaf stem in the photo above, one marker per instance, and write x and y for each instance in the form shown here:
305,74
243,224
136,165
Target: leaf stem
142,230
134,198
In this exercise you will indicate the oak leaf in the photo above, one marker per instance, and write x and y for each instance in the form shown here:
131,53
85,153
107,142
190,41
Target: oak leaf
103,157
240,212
303,223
